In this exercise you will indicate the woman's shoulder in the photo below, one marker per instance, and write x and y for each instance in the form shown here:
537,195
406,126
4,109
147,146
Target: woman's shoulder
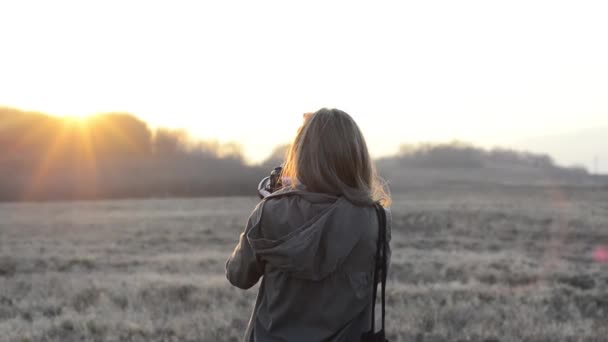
300,193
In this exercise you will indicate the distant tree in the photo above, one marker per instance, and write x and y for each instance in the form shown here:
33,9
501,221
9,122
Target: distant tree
578,169
109,155
119,135
26,136
464,155
231,150
505,155
455,154
168,142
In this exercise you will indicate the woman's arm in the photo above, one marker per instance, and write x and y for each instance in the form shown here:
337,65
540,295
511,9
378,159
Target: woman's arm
243,268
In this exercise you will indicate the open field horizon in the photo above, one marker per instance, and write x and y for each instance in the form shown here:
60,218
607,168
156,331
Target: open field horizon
119,156
468,265
581,148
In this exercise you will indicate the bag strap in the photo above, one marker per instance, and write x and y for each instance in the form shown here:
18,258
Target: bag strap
384,262
380,265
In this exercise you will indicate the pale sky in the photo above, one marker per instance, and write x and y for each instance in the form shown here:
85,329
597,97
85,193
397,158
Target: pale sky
487,72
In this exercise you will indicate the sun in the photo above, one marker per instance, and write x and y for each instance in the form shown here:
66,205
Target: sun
77,122
76,117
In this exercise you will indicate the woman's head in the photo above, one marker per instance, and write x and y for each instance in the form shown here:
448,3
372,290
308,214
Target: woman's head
329,155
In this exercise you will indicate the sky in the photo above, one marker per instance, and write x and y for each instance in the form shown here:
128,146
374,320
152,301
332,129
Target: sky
493,73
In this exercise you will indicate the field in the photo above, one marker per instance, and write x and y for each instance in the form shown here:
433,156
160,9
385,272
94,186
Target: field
496,264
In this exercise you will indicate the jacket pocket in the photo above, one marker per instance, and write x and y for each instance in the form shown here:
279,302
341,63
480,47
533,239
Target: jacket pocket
361,282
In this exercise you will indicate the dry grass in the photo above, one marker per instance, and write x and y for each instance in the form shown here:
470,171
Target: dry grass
467,266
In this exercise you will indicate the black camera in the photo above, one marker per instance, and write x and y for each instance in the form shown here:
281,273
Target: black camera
271,183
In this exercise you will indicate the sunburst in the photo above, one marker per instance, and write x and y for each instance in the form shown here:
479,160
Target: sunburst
73,134
67,155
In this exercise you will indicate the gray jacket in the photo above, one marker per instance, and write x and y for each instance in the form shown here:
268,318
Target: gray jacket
316,255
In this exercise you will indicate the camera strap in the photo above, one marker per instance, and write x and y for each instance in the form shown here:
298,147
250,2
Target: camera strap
380,267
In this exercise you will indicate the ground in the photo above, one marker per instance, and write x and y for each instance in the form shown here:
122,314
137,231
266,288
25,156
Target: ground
496,264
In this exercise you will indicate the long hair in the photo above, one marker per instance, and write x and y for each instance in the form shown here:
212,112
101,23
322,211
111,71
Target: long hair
329,155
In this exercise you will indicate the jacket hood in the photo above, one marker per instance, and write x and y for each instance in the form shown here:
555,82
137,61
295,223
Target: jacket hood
317,242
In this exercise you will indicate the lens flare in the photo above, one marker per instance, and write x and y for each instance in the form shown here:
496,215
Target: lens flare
601,255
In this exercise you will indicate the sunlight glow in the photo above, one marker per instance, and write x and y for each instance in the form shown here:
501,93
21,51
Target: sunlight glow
73,149
89,167
39,182
492,73
80,119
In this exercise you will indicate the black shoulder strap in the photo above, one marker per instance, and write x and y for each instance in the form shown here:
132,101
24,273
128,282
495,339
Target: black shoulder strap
381,266
384,261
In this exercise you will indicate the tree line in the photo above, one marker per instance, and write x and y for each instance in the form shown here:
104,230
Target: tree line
113,155
458,154
117,155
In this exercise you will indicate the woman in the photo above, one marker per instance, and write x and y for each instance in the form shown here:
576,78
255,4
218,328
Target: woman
314,242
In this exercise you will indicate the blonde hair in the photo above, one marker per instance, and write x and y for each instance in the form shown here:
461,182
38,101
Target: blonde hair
329,155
